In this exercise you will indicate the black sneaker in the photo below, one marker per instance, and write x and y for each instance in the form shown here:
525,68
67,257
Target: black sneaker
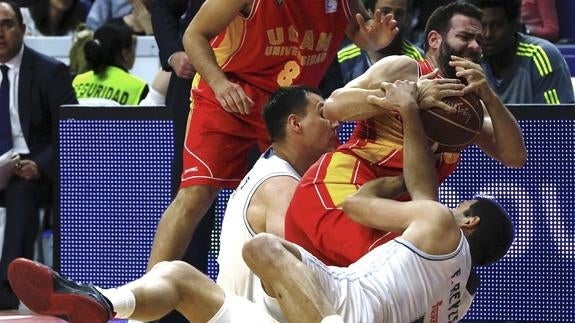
45,292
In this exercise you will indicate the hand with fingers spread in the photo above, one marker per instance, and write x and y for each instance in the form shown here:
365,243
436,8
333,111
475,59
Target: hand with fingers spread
143,17
473,74
431,91
232,97
380,30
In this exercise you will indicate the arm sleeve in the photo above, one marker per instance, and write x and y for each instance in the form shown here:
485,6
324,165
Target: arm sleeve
57,90
166,15
555,87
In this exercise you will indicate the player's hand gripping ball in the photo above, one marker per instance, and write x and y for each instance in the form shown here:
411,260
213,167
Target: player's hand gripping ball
454,131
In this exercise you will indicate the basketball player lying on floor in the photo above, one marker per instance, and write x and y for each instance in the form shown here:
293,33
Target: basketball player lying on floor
315,219
299,135
425,267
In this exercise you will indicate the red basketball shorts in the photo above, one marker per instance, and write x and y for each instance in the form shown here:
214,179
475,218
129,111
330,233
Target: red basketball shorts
217,142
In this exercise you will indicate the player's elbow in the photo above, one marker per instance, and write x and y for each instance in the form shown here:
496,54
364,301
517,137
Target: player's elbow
515,158
517,161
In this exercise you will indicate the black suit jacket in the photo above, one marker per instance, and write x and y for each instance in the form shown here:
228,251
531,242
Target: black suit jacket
170,18
44,84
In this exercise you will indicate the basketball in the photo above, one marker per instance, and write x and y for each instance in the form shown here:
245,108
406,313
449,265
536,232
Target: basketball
457,130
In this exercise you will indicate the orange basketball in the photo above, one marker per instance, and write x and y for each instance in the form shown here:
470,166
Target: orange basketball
454,131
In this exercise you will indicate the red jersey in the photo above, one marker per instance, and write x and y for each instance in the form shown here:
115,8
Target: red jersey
283,42
315,219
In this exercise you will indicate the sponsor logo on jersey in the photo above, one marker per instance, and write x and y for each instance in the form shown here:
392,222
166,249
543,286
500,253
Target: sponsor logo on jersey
330,6
191,170
435,312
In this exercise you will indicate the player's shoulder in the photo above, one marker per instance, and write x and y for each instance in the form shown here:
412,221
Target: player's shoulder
395,67
431,211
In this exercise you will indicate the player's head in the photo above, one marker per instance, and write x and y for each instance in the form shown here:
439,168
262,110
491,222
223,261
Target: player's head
491,231
500,21
298,110
453,29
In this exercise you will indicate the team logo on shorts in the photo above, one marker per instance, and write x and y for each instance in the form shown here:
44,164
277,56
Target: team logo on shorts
330,6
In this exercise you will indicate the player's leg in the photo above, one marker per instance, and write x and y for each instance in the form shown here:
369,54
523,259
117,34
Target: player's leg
169,285
179,221
210,162
284,276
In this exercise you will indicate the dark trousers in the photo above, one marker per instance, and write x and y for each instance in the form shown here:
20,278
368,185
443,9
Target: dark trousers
22,199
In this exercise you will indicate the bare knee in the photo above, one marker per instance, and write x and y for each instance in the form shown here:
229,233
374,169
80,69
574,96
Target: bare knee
263,252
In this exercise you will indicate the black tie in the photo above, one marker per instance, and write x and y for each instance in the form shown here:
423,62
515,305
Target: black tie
5,127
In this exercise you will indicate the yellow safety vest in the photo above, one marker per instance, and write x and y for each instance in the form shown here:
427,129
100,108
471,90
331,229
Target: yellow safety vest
114,84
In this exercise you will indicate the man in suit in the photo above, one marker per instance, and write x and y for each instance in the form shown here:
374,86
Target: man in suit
32,88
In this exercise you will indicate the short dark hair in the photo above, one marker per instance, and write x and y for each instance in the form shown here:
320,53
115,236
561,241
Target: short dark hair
493,236
440,19
281,104
511,7
16,9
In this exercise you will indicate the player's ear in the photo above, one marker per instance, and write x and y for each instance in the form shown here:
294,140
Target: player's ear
470,222
294,123
434,39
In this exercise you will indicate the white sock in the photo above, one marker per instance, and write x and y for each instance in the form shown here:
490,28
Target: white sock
123,301
332,319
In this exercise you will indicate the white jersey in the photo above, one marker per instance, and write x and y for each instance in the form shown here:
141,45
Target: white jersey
397,282
234,275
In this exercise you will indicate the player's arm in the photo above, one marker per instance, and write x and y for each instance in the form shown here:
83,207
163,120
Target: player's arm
501,137
367,206
350,102
212,18
276,194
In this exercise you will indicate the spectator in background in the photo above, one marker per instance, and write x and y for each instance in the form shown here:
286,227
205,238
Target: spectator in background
109,56
104,10
53,17
353,61
139,20
519,67
540,19
32,88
